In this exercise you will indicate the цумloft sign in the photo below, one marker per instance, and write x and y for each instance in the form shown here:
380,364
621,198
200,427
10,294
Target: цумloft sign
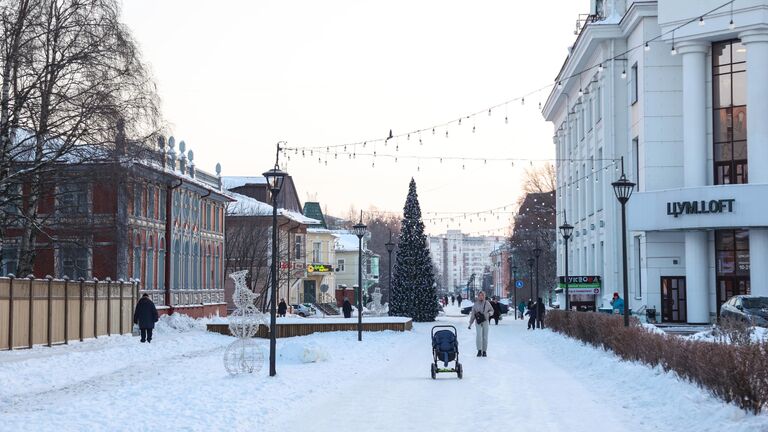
700,207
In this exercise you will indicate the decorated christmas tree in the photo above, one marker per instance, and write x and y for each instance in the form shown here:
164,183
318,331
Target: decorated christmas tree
413,284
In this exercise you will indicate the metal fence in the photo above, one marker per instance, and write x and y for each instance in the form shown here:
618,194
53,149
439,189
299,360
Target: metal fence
55,311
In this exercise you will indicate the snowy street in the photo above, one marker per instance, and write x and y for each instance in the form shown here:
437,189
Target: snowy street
178,382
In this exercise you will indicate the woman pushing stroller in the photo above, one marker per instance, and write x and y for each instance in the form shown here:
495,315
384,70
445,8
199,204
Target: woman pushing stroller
481,312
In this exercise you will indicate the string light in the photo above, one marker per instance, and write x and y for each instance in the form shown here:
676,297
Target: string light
600,68
624,73
647,47
701,21
673,51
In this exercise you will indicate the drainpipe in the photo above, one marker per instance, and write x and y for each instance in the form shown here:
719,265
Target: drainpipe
168,243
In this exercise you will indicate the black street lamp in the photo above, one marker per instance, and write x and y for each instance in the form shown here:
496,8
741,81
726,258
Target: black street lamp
360,230
566,230
514,277
531,262
390,248
537,254
275,178
623,189
513,281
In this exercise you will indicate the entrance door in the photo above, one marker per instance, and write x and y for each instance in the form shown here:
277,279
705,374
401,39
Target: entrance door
673,304
309,291
729,286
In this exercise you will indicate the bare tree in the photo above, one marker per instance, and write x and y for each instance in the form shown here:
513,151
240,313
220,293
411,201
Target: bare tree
73,84
540,179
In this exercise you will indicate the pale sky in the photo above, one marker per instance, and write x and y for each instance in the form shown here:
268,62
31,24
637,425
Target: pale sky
236,76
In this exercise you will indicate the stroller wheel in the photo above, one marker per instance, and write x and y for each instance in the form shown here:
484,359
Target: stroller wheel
434,371
459,370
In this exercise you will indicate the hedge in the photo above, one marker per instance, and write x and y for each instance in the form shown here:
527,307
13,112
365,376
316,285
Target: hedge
734,368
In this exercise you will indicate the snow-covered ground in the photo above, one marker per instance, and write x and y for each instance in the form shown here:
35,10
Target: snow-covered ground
531,380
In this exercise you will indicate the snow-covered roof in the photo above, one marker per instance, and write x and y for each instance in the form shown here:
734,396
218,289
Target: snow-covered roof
346,241
247,206
232,182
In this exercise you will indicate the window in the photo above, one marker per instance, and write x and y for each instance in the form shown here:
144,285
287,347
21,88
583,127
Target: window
729,110
161,202
598,104
10,260
161,266
598,179
150,202
149,281
732,250
297,247
633,85
341,265
137,191
589,112
316,249
636,158
74,262
73,198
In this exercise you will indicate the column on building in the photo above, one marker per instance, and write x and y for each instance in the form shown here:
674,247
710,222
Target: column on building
756,42
694,59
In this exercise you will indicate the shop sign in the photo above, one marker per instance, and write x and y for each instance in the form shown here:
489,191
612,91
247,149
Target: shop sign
319,268
678,208
581,284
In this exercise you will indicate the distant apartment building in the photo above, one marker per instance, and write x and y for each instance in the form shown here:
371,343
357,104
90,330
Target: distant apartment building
457,256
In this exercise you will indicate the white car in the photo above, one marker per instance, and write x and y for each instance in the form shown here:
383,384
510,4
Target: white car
303,310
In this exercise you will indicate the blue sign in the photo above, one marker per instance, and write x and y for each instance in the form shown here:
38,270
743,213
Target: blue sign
519,284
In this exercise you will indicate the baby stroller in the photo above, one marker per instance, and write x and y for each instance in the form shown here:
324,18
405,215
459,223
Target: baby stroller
445,348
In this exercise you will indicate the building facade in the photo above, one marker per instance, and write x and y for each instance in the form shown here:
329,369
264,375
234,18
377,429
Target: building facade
664,87
457,256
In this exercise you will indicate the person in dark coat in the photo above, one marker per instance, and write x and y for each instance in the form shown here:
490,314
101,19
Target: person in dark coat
145,316
347,308
453,299
496,310
540,312
532,318
458,300
282,308
445,301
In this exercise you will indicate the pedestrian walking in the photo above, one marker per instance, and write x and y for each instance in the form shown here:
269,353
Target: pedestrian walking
541,311
145,316
496,310
531,318
521,308
453,299
481,313
445,300
617,303
347,308
282,308
458,300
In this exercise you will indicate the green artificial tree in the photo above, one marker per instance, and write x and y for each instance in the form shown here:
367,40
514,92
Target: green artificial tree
413,283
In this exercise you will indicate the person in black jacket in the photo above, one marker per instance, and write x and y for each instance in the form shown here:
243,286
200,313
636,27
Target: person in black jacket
496,310
458,300
282,308
540,312
145,316
347,308
532,320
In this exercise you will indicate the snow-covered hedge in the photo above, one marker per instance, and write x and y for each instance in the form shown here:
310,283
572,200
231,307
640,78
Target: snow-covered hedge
736,372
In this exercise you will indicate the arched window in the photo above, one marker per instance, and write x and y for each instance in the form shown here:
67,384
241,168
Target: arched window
176,259
208,271
137,257
196,266
215,284
186,265
161,265
149,265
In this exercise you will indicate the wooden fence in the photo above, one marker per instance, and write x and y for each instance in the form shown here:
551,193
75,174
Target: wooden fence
55,311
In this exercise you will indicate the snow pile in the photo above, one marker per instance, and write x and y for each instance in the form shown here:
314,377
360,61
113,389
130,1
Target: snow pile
650,328
757,334
180,323
303,352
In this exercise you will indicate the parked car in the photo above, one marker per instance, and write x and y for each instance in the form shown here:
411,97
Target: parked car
303,310
748,308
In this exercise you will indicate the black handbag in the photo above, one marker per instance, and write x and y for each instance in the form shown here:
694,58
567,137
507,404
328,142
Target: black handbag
479,317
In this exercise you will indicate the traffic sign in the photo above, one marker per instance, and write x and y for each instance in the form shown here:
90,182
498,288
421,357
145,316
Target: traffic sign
519,284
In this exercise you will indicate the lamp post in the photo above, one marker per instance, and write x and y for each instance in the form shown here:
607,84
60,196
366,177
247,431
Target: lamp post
360,230
623,189
566,230
275,179
390,248
531,261
513,280
537,254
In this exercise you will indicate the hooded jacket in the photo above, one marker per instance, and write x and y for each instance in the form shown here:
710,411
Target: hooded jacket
483,307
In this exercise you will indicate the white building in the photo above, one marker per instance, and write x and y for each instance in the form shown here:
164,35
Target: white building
675,110
456,256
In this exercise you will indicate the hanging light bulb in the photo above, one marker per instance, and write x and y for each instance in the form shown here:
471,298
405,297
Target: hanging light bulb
600,68
446,133
408,137
581,92
489,112
624,74
647,47
731,25
522,101
559,85
462,166
673,51
506,120
364,143
397,147
420,143
701,20
539,106
473,129
433,131
459,122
